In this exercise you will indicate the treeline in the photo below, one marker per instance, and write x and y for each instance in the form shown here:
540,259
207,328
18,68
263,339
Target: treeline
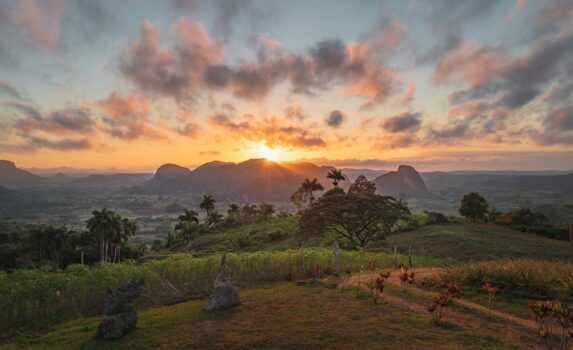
476,208
105,238
189,226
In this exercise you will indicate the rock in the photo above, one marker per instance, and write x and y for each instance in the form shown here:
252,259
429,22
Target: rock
120,316
224,295
404,182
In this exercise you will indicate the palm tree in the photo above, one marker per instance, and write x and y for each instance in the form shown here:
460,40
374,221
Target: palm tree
336,176
188,216
214,219
207,204
189,230
234,214
310,187
248,214
107,225
128,229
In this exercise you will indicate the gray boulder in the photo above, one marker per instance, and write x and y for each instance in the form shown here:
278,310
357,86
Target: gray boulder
224,295
120,316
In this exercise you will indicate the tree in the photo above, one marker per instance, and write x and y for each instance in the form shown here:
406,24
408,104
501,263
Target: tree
362,187
188,231
300,198
234,215
207,204
214,219
266,211
108,227
473,206
353,217
249,214
312,186
336,176
59,240
189,216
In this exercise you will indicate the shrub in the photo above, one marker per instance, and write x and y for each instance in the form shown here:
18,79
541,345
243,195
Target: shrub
541,278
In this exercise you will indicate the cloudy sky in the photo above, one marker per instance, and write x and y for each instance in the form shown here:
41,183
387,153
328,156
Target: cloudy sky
441,84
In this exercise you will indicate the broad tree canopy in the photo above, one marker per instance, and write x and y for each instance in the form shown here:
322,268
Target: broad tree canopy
357,218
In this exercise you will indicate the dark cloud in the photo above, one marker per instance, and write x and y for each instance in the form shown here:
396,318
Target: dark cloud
8,89
403,122
560,119
518,96
24,108
335,119
61,145
455,130
560,93
521,79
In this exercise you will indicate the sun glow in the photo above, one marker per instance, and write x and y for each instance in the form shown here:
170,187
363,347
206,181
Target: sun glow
268,153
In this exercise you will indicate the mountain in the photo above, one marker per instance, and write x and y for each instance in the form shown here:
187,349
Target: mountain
114,179
11,176
251,180
406,181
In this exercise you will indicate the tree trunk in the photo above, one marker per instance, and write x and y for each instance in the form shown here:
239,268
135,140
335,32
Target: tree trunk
410,256
82,257
335,259
395,257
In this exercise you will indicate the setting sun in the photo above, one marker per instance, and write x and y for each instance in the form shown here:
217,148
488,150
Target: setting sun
268,153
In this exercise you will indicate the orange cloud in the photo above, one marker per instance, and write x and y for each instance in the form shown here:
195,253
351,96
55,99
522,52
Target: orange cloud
470,63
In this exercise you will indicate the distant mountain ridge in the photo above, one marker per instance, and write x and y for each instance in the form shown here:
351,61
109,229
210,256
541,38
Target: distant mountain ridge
251,180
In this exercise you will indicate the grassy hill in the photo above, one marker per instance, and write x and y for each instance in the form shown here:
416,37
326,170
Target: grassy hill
467,242
463,242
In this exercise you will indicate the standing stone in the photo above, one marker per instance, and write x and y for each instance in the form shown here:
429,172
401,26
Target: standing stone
119,313
224,294
335,259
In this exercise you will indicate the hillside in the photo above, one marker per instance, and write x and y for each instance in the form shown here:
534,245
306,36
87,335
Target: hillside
466,242
11,176
251,180
461,242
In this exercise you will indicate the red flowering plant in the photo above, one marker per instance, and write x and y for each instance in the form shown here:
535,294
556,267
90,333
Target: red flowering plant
491,291
377,285
448,292
406,276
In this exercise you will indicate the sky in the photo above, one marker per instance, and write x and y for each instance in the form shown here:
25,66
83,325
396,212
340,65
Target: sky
439,84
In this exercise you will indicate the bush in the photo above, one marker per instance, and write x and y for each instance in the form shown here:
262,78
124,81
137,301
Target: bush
435,217
522,276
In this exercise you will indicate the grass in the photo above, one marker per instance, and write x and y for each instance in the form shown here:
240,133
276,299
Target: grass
279,315
544,278
36,298
468,243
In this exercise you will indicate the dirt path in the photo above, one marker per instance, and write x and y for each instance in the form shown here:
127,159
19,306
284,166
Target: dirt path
473,317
